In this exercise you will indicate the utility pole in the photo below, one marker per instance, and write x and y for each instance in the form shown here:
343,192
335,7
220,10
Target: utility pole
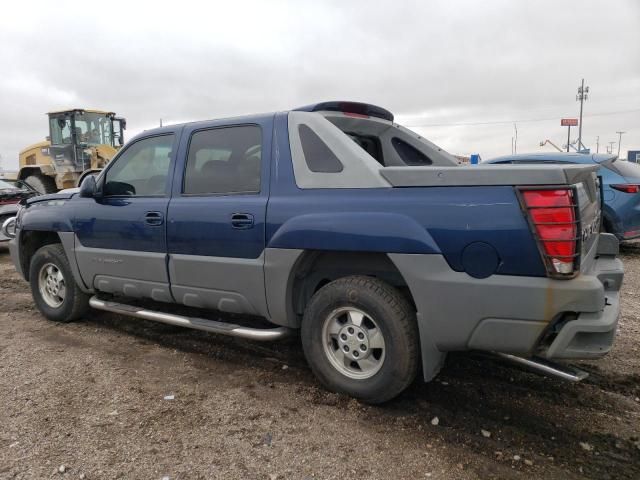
619,141
610,147
581,96
598,144
515,141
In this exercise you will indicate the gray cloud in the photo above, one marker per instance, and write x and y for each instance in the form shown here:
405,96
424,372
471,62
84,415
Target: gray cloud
429,62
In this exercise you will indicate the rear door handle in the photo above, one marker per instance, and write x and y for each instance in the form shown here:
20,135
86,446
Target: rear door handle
242,220
154,218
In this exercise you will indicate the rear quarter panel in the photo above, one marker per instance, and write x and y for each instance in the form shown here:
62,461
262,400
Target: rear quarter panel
398,220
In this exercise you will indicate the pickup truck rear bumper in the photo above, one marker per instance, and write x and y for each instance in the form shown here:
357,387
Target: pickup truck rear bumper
553,318
588,334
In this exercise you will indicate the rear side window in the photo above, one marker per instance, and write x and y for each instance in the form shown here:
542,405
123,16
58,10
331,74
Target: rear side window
317,154
409,154
224,160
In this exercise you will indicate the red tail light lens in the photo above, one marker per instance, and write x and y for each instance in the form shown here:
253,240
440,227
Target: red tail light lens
553,215
627,187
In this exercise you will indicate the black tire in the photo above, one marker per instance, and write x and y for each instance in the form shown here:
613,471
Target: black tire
42,183
74,303
384,307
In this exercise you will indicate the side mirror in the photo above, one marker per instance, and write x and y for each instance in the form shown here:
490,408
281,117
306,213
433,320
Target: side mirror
88,187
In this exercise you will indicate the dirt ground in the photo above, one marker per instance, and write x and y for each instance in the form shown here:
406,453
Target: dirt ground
93,399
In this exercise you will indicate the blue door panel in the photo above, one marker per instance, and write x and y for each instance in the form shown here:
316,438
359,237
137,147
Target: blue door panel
120,223
203,226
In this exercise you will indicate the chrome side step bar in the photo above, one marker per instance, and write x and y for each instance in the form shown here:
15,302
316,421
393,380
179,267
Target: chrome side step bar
260,334
547,367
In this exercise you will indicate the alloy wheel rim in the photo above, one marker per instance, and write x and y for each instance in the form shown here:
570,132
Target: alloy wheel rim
353,343
52,285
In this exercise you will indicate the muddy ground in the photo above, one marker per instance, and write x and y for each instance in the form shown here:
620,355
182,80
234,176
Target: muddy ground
90,396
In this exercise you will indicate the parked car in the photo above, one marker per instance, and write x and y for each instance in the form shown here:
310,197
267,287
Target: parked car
333,220
620,186
11,193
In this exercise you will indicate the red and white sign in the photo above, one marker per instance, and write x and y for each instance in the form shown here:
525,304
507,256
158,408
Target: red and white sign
569,122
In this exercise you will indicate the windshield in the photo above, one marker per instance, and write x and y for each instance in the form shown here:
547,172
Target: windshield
91,129
94,129
14,185
629,170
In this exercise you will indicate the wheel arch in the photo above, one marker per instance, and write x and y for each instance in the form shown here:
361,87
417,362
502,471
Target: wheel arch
35,169
289,291
32,240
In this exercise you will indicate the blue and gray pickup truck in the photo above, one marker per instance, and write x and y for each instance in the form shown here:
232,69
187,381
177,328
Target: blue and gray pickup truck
336,222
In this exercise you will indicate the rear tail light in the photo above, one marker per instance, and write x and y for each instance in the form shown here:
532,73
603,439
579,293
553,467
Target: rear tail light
553,217
627,187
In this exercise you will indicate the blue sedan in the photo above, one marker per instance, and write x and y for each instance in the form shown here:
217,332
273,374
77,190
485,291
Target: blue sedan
620,186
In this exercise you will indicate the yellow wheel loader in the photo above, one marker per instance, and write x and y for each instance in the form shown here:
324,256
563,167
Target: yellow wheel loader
80,141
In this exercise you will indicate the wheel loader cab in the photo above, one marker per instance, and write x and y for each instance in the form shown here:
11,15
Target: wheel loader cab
79,140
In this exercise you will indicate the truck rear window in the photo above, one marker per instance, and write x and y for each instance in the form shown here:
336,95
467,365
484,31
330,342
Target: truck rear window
410,155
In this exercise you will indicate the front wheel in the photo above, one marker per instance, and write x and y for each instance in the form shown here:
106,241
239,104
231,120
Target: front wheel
360,337
53,287
41,183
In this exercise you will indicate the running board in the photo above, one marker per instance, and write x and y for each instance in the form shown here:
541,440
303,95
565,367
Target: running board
260,334
547,367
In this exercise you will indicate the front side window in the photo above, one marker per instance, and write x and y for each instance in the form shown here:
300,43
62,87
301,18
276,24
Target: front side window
142,169
60,130
224,160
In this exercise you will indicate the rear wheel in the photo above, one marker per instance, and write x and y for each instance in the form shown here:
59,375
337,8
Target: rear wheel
53,287
360,337
41,183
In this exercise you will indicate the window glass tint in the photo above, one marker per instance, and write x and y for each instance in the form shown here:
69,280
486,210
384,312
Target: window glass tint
224,160
410,155
626,169
142,168
317,154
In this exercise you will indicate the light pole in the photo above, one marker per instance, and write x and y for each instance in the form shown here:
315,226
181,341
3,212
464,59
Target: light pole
581,97
619,141
598,144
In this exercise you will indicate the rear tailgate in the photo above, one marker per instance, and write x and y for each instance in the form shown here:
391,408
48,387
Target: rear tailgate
581,177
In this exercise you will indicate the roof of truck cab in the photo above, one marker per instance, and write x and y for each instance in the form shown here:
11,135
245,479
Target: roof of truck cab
239,120
89,110
569,157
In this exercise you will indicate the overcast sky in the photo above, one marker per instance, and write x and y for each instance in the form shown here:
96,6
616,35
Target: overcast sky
448,69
